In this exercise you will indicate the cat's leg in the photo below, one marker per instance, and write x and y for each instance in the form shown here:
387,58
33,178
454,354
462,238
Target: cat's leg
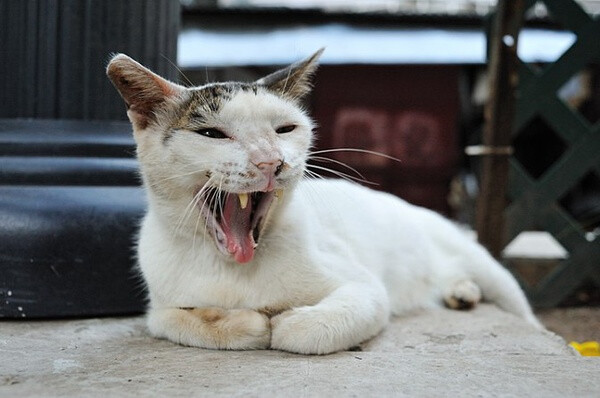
462,295
350,315
216,328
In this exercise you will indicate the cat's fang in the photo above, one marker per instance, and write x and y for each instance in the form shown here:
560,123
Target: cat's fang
243,200
279,193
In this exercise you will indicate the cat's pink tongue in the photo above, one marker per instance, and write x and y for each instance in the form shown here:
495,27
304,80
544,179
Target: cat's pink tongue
237,225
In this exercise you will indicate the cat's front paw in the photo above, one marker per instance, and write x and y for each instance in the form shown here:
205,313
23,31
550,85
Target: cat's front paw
248,329
217,328
304,332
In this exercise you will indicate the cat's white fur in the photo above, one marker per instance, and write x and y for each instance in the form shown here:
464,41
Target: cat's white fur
334,261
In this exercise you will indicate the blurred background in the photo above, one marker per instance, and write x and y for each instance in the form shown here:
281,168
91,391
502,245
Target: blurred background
406,78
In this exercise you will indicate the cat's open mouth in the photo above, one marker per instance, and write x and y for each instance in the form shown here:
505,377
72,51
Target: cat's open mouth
236,220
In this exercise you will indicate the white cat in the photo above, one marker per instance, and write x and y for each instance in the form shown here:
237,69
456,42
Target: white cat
240,251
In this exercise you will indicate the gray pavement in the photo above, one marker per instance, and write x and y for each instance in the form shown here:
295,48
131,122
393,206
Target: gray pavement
443,353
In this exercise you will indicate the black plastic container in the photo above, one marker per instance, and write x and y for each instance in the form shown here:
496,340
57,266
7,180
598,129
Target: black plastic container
70,204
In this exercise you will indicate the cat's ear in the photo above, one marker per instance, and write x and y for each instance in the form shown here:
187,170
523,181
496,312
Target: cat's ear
143,90
295,81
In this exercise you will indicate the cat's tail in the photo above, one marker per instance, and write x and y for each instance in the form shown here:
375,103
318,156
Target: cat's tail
498,285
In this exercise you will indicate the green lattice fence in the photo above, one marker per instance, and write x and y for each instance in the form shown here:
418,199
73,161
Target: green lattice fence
536,202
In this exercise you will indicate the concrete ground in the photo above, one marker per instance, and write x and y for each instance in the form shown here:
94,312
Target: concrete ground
485,352
573,324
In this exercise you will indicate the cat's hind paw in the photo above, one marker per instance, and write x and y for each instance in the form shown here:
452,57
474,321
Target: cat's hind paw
463,295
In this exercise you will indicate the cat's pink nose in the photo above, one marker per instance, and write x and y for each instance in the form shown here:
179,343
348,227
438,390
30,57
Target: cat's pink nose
270,169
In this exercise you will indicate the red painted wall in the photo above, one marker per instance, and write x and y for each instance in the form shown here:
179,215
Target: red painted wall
409,112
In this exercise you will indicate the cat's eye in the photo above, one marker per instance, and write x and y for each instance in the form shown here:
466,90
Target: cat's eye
211,133
285,129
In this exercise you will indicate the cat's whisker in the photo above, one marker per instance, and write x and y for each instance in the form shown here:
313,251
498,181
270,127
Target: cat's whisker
311,175
188,211
324,159
182,218
188,81
206,73
196,232
211,204
214,202
342,175
287,78
182,174
190,207
366,151
319,200
207,201
220,202
314,175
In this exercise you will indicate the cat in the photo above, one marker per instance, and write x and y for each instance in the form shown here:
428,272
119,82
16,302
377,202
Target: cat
239,250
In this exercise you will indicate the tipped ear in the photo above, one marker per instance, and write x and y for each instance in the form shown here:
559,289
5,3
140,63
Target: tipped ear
295,81
143,90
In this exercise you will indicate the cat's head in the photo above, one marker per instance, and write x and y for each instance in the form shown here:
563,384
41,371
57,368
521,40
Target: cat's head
227,151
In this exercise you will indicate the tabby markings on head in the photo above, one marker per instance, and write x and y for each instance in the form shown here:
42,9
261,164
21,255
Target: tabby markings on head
207,100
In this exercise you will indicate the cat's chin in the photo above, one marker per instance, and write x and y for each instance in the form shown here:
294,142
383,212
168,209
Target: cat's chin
237,220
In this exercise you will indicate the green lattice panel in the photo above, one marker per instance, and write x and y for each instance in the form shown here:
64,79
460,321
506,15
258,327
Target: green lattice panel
535,202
